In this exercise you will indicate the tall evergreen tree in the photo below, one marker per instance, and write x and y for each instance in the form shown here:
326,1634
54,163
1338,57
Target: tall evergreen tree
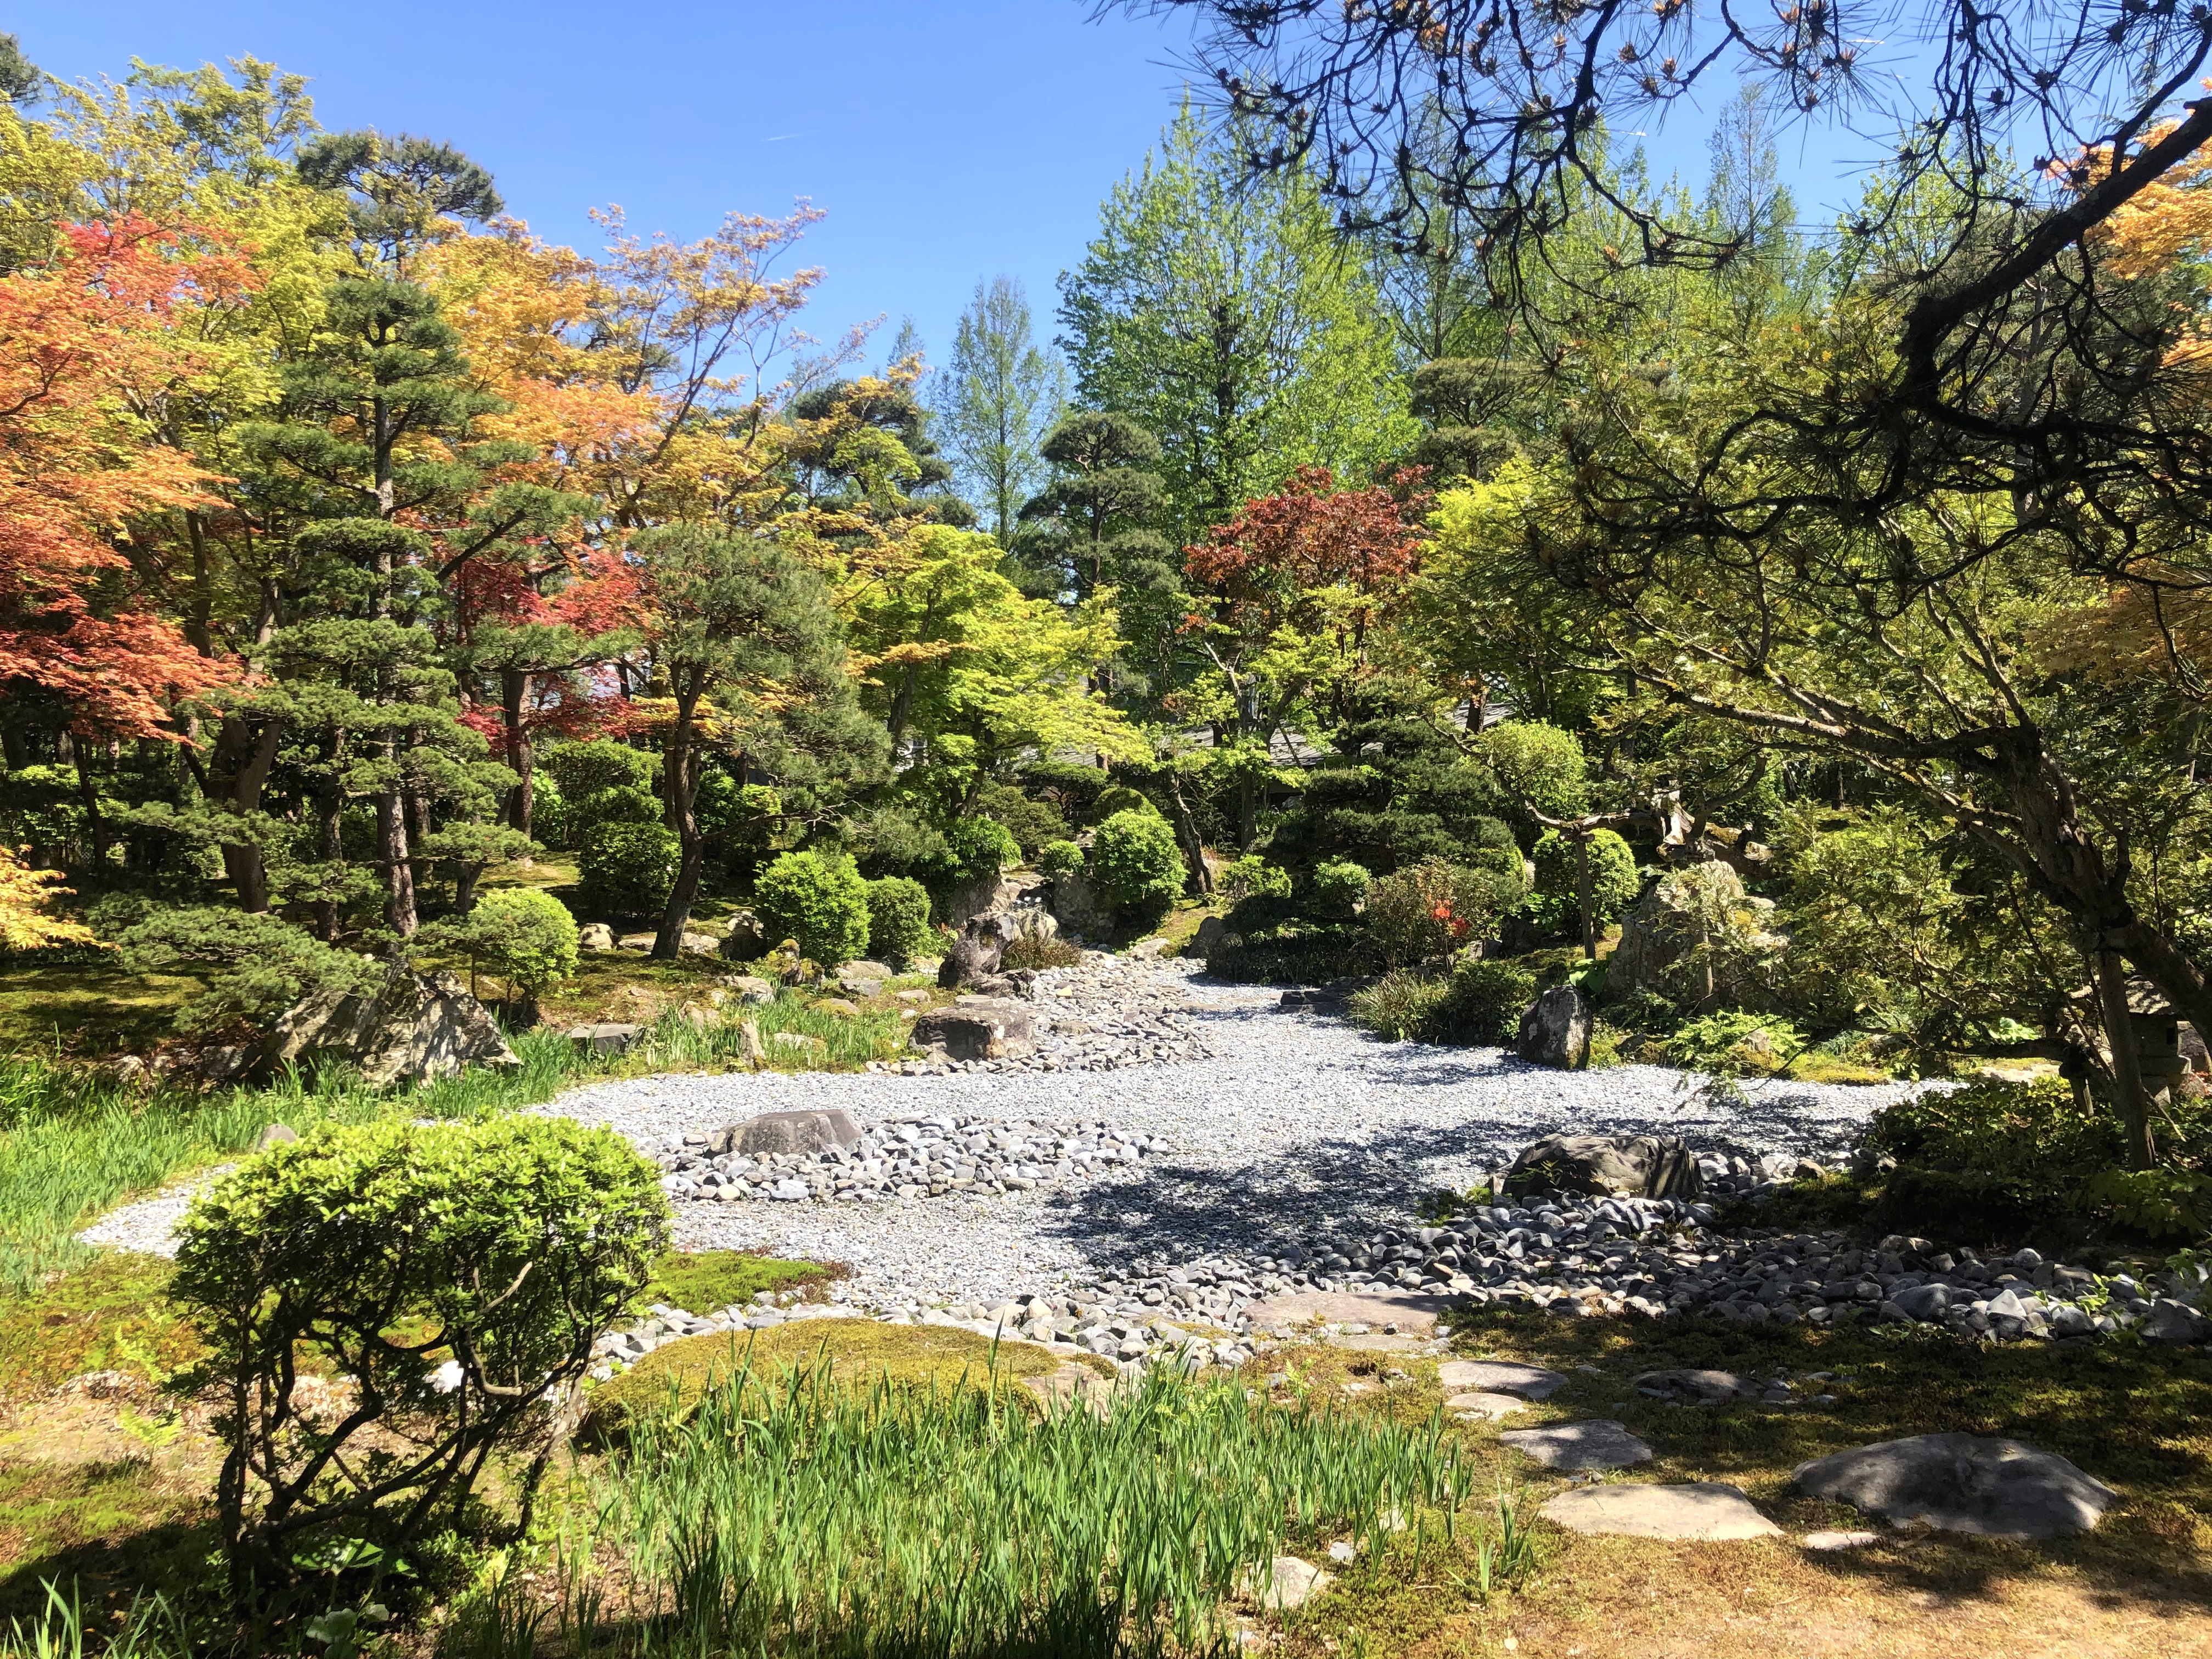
995,401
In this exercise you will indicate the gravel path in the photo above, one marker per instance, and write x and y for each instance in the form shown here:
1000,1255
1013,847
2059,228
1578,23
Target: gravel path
1298,1121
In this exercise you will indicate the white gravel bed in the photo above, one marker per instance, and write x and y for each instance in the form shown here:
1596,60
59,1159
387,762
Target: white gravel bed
150,1226
1298,1121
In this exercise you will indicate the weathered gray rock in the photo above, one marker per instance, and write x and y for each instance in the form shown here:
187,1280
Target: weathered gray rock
751,991
1699,1387
1926,1303
978,1029
975,955
1962,1483
1490,1406
1659,935
745,941
2169,1321
1597,1444
1619,1166
1705,1510
786,1132
595,936
276,1134
413,1027
641,943
1212,935
1289,1583
607,1037
1078,907
1555,1031
1501,1377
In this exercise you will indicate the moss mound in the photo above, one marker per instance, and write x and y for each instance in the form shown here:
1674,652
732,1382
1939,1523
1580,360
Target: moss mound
858,1353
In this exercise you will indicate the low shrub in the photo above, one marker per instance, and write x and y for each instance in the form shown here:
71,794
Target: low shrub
627,868
1059,857
976,849
1732,1043
451,1276
581,770
1482,1002
898,919
1340,888
1253,877
817,900
1136,862
623,804
1030,822
1993,1159
1294,955
255,965
1398,1007
522,935
1031,950
1431,909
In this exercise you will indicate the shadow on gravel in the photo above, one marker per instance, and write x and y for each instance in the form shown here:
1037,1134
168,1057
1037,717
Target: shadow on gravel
1359,1185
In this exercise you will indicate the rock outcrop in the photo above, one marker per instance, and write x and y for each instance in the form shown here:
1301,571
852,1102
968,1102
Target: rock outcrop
412,1028
1618,1166
1555,1031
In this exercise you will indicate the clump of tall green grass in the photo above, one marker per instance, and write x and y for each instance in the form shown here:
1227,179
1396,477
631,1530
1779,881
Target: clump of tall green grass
73,1143
788,1515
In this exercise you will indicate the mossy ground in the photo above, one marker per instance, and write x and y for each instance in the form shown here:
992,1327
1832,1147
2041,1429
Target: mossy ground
854,1353
700,1281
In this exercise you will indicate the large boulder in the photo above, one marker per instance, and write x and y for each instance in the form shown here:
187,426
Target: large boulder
975,955
595,936
412,1028
745,942
1701,903
1616,1166
1080,907
1555,1030
978,1028
988,895
786,1132
1962,1483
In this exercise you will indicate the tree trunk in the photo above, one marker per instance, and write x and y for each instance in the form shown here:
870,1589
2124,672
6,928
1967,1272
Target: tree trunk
682,768
96,826
391,850
1186,827
1582,892
514,696
2127,1067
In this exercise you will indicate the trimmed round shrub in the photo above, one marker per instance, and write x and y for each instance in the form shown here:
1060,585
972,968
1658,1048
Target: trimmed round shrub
819,901
627,869
898,919
1253,877
501,1248
1031,823
623,804
1120,798
1136,862
548,810
1340,887
976,849
1557,904
1059,857
522,935
583,769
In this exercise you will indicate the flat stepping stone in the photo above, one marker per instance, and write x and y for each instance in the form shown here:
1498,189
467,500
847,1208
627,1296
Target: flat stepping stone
1414,1315
1491,1405
1962,1483
1501,1377
1840,1541
1599,1444
1699,1387
1703,1510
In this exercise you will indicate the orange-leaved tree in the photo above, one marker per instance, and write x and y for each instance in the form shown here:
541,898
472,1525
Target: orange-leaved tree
82,341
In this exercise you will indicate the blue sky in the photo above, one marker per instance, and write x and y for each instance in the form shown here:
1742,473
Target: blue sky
949,140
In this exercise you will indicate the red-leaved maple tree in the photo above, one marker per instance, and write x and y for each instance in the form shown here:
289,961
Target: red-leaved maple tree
81,343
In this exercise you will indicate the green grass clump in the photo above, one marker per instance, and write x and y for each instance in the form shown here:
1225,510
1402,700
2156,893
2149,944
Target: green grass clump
786,1514
73,1144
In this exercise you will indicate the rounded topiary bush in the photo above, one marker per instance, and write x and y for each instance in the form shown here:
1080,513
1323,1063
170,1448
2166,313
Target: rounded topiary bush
1253,877
623,804
820,902
1120,798
1482,1002
521,935
898,919
1135,861
1340,887
1059,857
627,869
1557,897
